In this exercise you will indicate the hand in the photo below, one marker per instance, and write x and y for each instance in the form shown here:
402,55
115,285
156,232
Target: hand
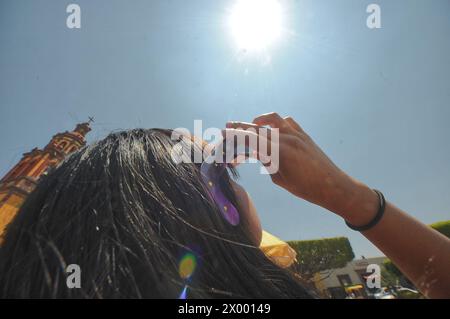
307,172
420,252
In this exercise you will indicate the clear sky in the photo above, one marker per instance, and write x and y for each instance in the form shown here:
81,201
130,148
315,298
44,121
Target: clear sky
376,101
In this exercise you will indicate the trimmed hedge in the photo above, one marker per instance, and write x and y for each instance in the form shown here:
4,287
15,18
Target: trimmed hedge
322,254
442,227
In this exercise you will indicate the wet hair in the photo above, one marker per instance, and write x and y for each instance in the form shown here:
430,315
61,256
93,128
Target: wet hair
126,213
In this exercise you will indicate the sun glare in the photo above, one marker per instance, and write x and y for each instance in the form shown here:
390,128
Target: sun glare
255,24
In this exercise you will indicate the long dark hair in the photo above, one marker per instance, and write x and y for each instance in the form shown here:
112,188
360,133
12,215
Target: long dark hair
124,212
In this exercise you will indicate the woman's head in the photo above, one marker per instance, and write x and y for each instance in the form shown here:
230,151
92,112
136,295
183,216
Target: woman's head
128,215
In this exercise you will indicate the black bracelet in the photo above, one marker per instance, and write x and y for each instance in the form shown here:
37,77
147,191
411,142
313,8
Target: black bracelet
377,217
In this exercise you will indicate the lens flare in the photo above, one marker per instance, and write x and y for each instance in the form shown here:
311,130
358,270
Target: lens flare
183,294
187,265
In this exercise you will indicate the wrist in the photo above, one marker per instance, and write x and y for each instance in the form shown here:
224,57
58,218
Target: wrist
355,202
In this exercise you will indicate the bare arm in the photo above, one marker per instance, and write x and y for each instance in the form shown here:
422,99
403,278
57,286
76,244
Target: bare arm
420,252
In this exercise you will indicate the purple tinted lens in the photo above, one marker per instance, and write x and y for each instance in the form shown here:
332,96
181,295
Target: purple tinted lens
210,173
229,212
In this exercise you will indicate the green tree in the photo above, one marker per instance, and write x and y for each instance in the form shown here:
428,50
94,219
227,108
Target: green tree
322,254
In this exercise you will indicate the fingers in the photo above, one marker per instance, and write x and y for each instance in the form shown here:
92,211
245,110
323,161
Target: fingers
245,137
271,119
258,143
293,124
241,125
286,125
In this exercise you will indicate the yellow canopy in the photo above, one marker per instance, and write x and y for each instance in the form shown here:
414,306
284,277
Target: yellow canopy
277,250
352,288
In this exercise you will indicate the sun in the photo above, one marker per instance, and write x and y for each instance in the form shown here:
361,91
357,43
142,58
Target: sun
255,24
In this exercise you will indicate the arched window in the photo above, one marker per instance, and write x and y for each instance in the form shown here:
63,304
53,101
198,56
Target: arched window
62,145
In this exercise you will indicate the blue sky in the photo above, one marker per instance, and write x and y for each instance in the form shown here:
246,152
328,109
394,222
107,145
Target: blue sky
376,101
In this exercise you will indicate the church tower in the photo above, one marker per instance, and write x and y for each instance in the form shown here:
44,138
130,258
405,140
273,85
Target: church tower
22,178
